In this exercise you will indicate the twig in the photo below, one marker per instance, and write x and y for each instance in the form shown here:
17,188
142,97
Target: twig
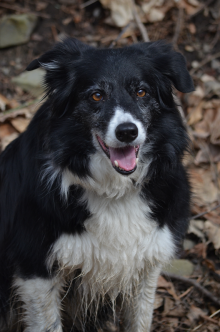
195,284
140,25
203,6
120,35
14,7
216,38
203,213
87,3
54,31
178,26
204,62
214,314
22,10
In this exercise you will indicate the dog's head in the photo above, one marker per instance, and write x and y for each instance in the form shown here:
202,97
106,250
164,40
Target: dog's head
116,104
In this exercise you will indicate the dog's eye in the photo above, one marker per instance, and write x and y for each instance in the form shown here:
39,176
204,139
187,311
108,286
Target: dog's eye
141,93
97,96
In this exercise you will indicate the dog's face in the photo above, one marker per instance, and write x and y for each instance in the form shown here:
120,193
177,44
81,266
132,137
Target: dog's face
115,103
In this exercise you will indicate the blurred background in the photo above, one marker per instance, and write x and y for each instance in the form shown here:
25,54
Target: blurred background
188,295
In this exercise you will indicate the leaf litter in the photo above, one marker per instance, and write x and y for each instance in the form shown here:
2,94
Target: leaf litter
194,25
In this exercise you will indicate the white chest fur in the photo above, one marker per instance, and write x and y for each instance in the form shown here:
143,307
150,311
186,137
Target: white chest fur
120,241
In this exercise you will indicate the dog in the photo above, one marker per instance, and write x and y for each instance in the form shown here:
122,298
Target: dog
94,199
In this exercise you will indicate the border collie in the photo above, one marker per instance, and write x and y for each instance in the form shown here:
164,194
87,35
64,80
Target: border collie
94,198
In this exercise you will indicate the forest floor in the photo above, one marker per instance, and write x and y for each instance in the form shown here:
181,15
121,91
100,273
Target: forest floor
190,301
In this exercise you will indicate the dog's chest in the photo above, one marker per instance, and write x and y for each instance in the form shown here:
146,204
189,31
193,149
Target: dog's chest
120,241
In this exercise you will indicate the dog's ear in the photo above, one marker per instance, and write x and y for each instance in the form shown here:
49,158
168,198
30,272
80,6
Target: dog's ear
70,48
170,63
60,64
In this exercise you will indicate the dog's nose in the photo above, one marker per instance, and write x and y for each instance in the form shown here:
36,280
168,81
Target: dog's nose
126,132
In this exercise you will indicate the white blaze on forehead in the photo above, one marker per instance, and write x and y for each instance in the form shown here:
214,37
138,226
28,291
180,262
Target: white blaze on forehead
120,117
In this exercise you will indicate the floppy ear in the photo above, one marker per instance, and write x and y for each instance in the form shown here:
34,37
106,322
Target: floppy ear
70,48
60,64
170,63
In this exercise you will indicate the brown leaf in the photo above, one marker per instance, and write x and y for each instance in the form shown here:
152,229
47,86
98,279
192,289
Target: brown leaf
3,102
158,302
163,283
6,104
210,264
213,232
41,5
215,129
195,313
20,123
14,113
202,155
6,129
196,227
192,28
204,190
202,129
199,249
196,96
195,114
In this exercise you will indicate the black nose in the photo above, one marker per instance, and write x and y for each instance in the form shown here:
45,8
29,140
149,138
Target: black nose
126,132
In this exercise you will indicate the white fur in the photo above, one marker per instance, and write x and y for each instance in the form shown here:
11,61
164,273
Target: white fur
53,65
41,298
119,117
139,316
105,180
120,242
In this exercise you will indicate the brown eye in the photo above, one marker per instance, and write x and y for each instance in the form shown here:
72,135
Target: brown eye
141,93
97,96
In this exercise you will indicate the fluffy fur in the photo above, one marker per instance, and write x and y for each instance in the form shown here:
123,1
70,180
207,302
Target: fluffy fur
73,224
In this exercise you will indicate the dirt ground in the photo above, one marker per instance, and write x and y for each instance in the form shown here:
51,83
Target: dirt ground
188,303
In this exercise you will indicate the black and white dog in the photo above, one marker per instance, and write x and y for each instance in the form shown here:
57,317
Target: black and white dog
93,196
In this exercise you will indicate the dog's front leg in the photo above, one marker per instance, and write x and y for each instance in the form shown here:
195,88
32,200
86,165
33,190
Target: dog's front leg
41,304
138,314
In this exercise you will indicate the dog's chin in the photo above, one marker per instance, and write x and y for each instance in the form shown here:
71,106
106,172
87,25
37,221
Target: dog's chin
124,160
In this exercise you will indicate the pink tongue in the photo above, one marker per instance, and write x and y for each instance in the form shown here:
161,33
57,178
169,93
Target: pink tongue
125,157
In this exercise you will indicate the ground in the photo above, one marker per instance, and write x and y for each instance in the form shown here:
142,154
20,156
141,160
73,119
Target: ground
194,28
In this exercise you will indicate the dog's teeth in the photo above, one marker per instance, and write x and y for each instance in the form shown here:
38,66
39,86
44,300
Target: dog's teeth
116,163
137,160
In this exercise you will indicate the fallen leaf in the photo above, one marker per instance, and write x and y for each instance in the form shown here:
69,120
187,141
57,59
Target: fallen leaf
204,190
41,5
196,227
163,283
20,124
194,3
210,264
189,48
199,250
202,129
14,113
195,114
3,102
215,129
207,78
8,139
6,129
168,285
196,96
195,313
213,232
192,28
158,301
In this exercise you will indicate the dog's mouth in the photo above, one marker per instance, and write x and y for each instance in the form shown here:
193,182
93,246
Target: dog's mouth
124,160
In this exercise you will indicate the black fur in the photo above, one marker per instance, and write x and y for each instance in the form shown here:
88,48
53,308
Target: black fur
33,213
